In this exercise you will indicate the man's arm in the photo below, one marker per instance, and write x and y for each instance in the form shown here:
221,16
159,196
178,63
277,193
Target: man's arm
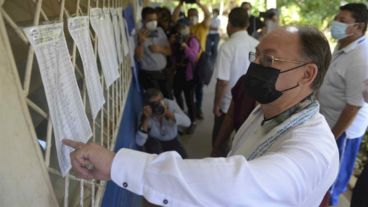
143,126
139,51
227,127
141,38
191,50
165,50
169,179
219,94
175,15
223,67
163,45
346,118
180,117
207,14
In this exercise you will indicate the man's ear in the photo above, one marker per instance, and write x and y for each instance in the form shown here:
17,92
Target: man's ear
310,74
361,26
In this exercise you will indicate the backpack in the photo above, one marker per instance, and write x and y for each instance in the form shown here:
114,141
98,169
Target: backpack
204,69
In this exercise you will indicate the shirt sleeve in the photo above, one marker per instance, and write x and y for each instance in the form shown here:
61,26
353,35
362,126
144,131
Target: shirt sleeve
140,137
180,117
355,84
169,180
238,87
163,38
191,52
223,63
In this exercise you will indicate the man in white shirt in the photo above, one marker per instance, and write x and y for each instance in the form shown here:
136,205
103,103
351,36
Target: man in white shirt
283,155
213,36
341,97
231,63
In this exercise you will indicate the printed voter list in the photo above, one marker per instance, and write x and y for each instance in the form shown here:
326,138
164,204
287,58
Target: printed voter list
79,30
62,93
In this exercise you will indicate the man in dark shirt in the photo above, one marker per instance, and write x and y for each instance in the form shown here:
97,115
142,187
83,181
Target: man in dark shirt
240,108
255,23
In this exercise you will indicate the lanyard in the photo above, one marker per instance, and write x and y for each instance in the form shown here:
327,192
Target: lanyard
295,120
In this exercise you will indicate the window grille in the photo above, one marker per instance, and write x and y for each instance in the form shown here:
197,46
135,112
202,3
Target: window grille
69,190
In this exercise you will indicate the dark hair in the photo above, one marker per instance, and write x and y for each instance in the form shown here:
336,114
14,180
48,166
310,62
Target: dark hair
147,11
238,17
163,14
150,93
192,10
269,14
244,3
216,11
315,48
359,12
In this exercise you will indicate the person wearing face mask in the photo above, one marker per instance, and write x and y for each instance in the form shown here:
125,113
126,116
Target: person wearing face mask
200,31
255,23
158,124
185,49
231,64
151,51
197,28
283,155
341,98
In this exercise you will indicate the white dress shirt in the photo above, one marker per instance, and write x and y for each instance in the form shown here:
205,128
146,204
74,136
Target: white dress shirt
232,62
344,84
296,171
215,23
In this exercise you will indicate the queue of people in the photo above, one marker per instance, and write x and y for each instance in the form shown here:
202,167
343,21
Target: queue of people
298,111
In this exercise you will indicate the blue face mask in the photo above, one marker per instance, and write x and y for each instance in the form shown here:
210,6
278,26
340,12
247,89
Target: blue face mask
338,30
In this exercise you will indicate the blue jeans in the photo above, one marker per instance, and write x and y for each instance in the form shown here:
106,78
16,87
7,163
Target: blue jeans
348,150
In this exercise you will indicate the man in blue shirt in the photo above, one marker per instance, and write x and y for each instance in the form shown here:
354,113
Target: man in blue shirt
159,122
151,51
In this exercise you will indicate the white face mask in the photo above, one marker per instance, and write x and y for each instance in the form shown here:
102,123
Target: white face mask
270,25
338,30
151,25
193,20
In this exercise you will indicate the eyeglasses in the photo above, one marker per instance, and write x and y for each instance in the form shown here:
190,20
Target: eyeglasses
268,60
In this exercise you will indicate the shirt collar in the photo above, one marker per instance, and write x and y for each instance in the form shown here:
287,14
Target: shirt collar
278,119
239,33
352,45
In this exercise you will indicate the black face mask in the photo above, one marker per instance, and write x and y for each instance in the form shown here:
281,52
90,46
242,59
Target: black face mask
260,83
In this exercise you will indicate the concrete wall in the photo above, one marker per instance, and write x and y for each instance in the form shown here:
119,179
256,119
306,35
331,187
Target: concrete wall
24,180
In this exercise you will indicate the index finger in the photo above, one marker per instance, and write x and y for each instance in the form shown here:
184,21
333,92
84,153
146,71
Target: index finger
72,143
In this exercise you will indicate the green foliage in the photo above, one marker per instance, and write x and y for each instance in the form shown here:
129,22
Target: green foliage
309,12
363,155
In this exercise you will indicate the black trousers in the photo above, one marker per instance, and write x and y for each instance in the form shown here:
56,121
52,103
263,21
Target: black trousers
360,191
156,146
182,85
